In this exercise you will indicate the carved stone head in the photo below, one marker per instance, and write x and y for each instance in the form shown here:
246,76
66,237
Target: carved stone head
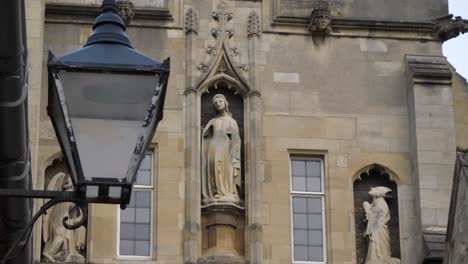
126,11
320,19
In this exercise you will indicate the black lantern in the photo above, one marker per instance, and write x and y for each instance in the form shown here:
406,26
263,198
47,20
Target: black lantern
105,101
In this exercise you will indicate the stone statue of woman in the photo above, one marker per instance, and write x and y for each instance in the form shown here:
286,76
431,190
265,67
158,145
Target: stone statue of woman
377,216
60,244
221,163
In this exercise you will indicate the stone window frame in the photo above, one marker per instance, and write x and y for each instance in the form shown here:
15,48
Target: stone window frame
320,194
149,188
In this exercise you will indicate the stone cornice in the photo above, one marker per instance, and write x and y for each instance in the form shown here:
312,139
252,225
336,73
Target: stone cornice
85,14
346,23
429,69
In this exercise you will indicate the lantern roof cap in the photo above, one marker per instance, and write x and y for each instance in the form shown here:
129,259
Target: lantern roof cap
108,49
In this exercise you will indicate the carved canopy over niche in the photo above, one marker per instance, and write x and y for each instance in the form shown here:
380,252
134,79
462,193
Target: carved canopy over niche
373,176
221,61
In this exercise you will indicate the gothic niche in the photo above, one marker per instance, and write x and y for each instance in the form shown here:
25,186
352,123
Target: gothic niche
60,245
232,129
223,91
375,210
223,177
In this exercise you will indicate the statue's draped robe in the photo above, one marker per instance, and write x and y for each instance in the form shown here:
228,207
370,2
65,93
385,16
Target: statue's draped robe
221,164
60,244
378,216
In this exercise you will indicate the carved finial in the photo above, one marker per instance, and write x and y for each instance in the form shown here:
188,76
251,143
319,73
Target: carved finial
222,15
253,27
126,11
202,67
320,19
219,32
243,68
446,28
234,51
211,50
191,22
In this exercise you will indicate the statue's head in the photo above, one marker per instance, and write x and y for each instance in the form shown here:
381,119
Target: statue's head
380,191
220,103
60,182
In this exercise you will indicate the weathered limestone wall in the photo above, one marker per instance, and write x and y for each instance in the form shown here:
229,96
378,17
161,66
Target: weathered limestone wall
346,100
374,10
456,240
35,38
460,105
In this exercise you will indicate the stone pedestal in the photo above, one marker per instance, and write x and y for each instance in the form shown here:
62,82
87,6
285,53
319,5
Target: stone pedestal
221,234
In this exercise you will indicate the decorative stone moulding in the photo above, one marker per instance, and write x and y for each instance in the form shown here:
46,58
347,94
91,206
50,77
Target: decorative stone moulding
211,50
383,171
253,26
429,69
166,14
191,22
234,51
203,67
126,11
243,68
447,27
320,19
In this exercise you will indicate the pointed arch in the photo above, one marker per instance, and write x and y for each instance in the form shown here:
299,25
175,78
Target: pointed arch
369,169
223,66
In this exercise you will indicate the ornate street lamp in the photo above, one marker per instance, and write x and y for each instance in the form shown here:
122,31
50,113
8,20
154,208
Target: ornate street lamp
105,102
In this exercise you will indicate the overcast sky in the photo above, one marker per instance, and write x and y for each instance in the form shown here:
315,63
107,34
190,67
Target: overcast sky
456,49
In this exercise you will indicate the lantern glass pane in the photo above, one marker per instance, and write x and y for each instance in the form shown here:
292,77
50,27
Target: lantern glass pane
106,111
62,133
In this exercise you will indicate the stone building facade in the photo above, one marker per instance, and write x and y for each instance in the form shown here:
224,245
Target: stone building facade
455,243
356,92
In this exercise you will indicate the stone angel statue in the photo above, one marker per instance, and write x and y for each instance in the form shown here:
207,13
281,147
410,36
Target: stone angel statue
377,216
221,161
60,244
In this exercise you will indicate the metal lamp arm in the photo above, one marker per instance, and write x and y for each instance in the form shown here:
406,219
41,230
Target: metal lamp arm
55,197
